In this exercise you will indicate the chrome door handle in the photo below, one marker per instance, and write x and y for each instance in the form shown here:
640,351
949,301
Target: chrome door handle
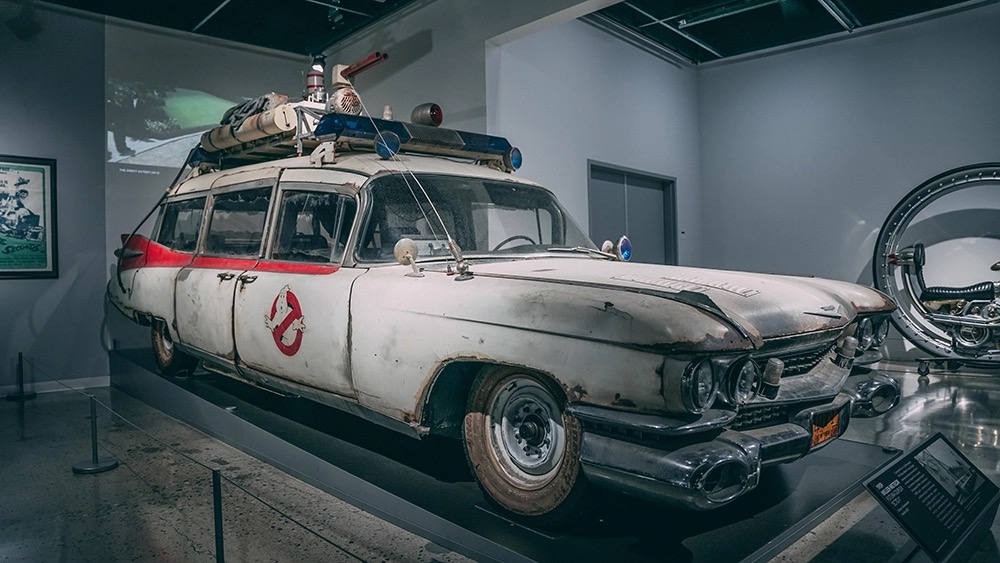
248,279
225,276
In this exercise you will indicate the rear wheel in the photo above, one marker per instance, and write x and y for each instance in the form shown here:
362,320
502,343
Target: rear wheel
170,360
523,448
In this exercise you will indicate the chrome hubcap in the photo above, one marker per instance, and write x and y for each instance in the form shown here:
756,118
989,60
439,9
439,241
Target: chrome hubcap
527,431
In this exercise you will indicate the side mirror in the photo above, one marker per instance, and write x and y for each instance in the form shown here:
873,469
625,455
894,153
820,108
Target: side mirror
405,252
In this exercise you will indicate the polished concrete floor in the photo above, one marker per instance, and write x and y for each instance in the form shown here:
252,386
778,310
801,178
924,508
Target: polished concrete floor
964,406
157,505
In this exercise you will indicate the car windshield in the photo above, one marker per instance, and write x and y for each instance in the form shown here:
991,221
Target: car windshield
485,217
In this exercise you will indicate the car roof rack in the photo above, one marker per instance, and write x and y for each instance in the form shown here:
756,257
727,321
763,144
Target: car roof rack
296,128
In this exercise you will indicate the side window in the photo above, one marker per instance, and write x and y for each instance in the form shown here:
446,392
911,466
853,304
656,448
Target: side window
236,226
397,213
180,224
313,226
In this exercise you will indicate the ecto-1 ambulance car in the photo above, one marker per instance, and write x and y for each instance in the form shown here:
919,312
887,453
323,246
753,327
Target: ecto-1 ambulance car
401,272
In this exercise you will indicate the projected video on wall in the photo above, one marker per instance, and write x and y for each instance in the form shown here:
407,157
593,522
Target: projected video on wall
156,124
162,92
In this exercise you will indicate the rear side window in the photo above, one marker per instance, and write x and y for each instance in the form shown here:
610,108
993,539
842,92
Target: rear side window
180,224
313,226
236,227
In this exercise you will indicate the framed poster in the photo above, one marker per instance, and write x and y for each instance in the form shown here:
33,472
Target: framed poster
28,217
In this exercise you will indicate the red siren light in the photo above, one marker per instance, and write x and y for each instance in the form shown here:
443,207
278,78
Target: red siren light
427,114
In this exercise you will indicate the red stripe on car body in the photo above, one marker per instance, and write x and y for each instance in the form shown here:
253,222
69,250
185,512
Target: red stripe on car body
156,255
223,263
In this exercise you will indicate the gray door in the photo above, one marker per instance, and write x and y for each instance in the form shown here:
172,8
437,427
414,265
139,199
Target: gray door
636,204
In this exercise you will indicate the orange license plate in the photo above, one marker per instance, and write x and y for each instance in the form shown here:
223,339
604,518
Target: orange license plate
826,432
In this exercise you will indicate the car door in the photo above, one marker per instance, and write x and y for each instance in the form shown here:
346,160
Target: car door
291,311
231,245
148,279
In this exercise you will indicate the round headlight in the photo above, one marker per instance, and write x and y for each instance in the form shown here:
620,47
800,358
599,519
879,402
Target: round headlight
882,331
698,386
743,382
865,334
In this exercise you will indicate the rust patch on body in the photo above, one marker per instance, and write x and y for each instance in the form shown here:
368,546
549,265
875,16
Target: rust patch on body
577,393
620,402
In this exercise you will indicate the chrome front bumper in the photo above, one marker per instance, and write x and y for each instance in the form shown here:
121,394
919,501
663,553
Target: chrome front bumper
707,474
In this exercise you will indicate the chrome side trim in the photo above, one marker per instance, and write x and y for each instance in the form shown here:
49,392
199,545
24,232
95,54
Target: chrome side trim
652,424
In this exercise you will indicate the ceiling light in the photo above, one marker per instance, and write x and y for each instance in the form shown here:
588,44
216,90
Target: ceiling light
696,17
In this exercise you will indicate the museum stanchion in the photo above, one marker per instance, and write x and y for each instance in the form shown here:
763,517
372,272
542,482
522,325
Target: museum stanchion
95,465
220,552
20,395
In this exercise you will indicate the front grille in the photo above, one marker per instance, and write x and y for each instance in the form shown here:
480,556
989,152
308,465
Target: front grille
798,362
756,417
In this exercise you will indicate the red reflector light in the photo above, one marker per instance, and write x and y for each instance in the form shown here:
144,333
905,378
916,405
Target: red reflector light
427,114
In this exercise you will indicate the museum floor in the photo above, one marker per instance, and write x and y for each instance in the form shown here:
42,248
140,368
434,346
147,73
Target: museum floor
157,505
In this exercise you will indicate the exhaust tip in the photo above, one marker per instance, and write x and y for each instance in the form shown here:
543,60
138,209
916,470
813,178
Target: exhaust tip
883,399
724,481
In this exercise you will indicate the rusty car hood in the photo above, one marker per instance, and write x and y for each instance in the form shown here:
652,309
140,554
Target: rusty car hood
762,305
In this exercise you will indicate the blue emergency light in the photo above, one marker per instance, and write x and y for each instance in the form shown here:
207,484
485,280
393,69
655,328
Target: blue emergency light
624,249
412,137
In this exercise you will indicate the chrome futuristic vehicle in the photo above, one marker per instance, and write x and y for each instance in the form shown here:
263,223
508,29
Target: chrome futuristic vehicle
960,324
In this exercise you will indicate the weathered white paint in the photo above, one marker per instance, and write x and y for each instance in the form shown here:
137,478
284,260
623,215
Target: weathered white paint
204,309
322,359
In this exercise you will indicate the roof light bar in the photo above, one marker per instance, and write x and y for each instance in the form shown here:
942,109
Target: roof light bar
364,130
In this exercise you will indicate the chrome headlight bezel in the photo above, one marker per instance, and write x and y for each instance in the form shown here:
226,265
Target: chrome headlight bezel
699,386
881,330
865,333
743,381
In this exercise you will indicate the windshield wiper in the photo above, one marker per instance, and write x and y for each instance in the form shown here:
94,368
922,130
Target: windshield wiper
584,250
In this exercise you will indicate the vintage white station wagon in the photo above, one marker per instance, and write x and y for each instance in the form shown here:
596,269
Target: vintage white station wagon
400,272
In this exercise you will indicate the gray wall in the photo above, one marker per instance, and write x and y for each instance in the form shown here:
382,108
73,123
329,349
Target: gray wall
572,93
437,53
51,105
805,153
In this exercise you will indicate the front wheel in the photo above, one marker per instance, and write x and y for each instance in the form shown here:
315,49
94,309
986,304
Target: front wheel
523,448
170,360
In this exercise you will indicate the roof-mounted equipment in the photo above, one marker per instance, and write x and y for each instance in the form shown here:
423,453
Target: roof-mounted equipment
357,131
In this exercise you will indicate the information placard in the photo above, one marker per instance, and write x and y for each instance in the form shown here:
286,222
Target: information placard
935,493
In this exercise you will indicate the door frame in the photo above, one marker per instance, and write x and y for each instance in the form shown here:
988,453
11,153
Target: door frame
669,201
